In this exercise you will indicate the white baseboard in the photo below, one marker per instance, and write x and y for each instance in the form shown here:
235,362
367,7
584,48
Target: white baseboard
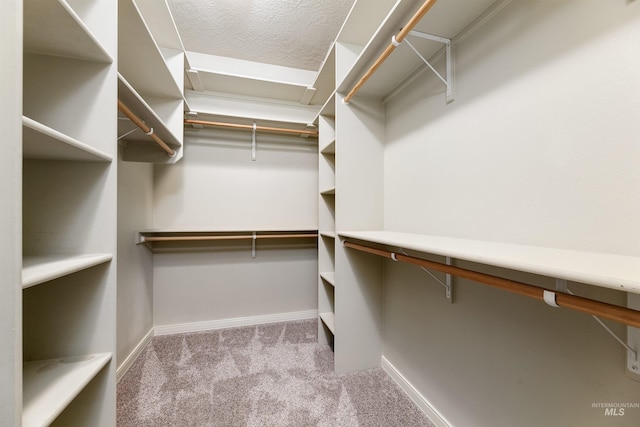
414,394
128,362
233,323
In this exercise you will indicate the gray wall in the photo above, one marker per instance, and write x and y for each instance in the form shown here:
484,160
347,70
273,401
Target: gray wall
541,148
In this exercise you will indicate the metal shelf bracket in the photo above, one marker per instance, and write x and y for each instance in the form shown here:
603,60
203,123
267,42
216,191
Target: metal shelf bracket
448,282
633,334
448,78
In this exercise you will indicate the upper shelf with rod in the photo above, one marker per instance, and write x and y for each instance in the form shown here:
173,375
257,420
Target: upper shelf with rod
452,19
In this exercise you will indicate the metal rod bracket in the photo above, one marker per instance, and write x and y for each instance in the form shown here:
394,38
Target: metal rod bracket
448,78
253,245
253,143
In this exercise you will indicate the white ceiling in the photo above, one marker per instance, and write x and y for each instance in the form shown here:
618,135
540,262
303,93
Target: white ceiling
290,33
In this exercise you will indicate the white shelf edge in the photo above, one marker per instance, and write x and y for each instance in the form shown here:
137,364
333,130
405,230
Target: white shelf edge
329,320
50,385
619,272
141,108
329,234
133,29
330,148
228,230
329,277
71,49
40,269
53,144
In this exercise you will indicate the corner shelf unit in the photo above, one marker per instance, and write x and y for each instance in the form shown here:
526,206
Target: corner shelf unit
68,213
151,79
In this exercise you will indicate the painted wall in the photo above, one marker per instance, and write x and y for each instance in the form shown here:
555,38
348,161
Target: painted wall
540,147
135,263
11,212
218,186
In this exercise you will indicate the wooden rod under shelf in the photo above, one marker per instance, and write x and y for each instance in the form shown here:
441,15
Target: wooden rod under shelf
227,237
605,310
250,127
146,129
391,47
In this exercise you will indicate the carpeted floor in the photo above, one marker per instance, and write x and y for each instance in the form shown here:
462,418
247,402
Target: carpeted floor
266,375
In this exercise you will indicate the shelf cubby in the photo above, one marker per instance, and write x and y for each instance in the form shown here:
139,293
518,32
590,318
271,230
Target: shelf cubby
49,386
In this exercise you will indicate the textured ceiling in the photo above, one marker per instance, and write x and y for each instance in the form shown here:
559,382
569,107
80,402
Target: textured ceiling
290,33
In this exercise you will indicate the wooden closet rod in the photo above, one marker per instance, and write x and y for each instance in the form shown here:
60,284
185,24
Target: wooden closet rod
146,129
227,237
616,313
250,127
391,47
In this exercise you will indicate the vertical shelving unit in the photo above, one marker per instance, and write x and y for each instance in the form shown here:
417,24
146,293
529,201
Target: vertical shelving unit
10,212
327,227
358,150
151,79
69,213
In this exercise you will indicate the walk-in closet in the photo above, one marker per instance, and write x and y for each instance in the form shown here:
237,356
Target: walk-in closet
330,212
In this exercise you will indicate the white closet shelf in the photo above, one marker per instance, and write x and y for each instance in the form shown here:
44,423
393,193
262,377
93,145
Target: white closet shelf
600,269
329,107
40,269
329,234
325,81
39,141
445,19
330,148
50,385
149,237
328,319
329,277
52,27
134,101
139,58
217,106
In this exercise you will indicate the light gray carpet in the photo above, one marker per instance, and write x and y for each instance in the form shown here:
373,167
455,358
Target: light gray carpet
267,375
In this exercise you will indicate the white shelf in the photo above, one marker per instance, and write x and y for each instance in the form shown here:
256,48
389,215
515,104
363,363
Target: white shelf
139,58
134,101
329,277
445,19
51,27
600,269
329,234
42,142
50,385
153,231
217,106
330,148
36,270
325,81
329,320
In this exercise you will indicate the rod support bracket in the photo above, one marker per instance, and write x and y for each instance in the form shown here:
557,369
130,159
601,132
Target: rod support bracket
448,47
253,245
633,340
